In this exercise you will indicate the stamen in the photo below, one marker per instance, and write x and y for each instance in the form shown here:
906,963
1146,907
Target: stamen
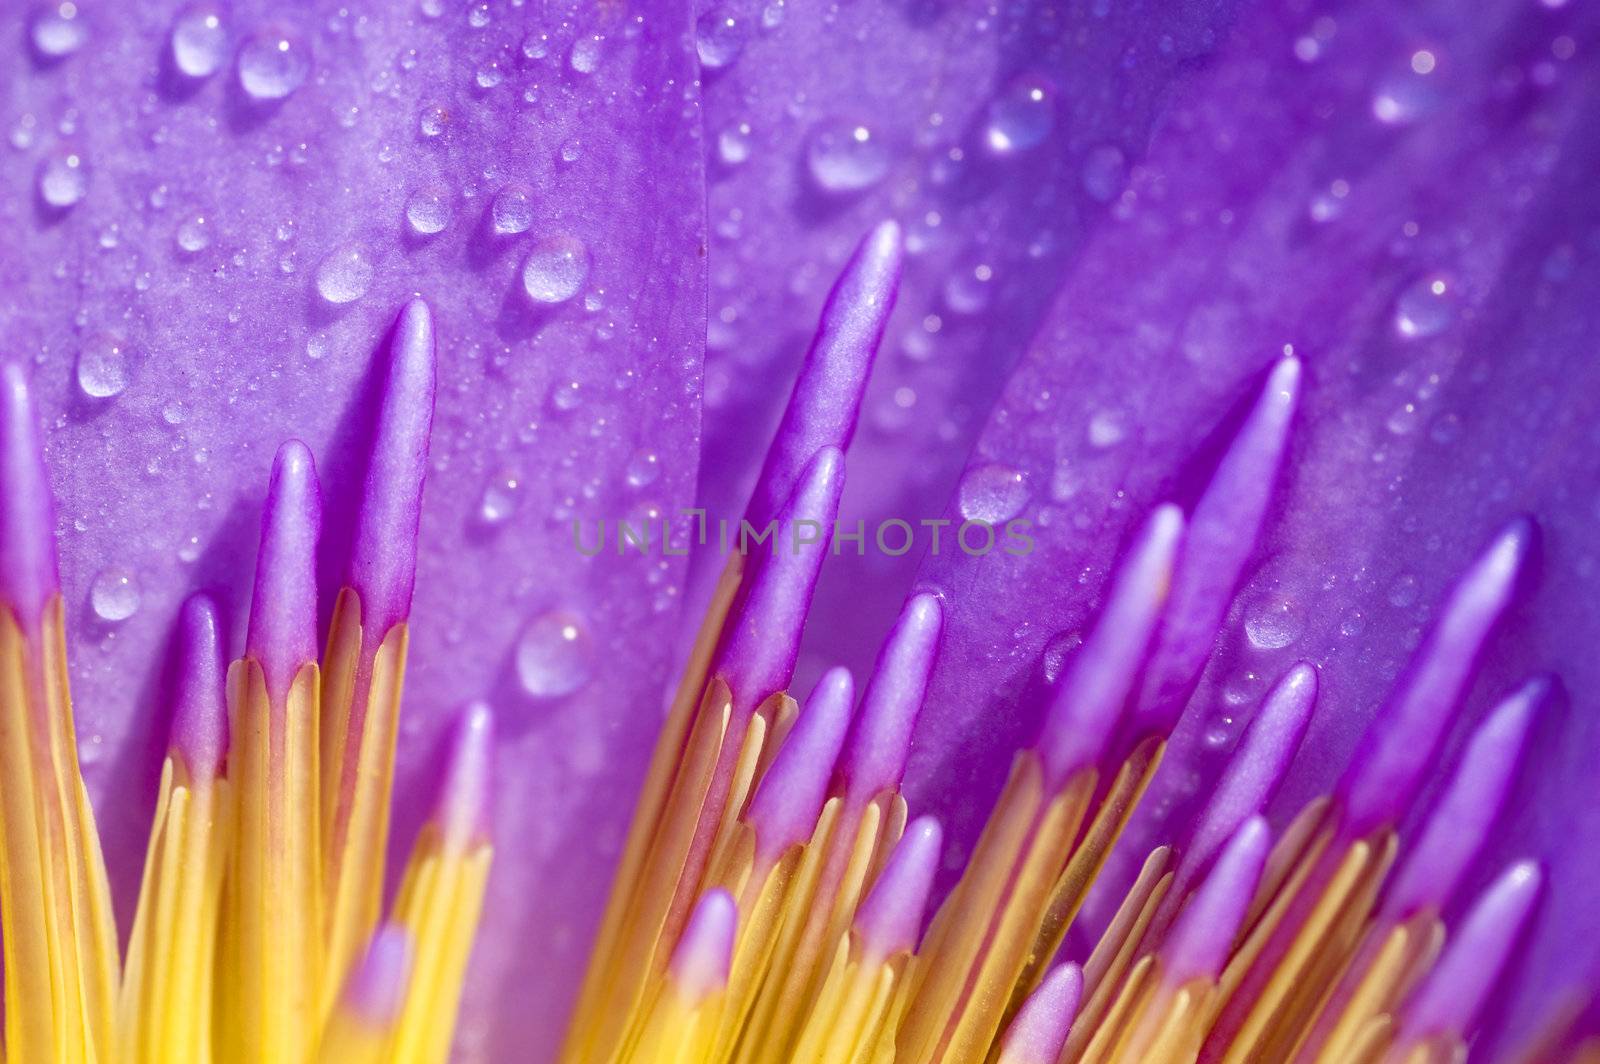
890,920
1460,824
1040,1030
1203,935
282,636
1449,1003
441,894
1398,748
166,1011
1102,673
28,573
826,401
359,1029
1223,531
272,913
700,963
880,739
1254,770
784,809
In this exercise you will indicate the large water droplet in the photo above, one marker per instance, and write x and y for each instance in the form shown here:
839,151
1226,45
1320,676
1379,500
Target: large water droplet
194,233
555,269
1021,116
585,54
1273,620
63,180
1425,308
58,30
555,655
199,42
733,144
513,209
102,366
114,594
499,499
273,62
719,38
992,493
345,275
428,210
432,121
846,156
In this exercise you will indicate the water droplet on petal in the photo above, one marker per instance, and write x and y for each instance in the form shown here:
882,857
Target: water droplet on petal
63,179
428,210
432,121
58,30
846,156
194,233
344,276
1425,308
643,469
585,55
1021,116
555,269
114,594
1107,428
199,42
733,144
499,499
1273,621
969,288
102,366
1404,591
992,494
273,63
1104,171
719,38
555,655
513,210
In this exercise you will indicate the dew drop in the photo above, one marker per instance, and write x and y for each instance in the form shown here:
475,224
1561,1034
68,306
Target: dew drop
344,276
499,500
1107,428
1351,623
273,63
1273,621
585,55
63,179
643,469
1425,308
432,121
114,594
199,42
846,156
1104,170
428,210
992,494
719,38
58,30
102,367
733,144
555,655
194,233
969,289
1404,591
1020,117
555,269
512,211
317,346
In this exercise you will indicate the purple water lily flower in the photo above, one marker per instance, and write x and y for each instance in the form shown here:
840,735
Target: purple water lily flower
1196,431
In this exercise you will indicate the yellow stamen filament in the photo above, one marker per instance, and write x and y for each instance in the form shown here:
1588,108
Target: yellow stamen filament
362,716
169,980
850,1023
59,940
272,906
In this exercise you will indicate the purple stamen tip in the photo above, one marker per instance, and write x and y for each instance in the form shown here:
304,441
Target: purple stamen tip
467,789
1255,769
200,710
1398,748
1223,531
1102,673
28,574
890,920
1455,994
705,953
880,740
758,652
785,807
1040,1030
283,610
376,989
826,401
383,564
1202,937
1461,821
